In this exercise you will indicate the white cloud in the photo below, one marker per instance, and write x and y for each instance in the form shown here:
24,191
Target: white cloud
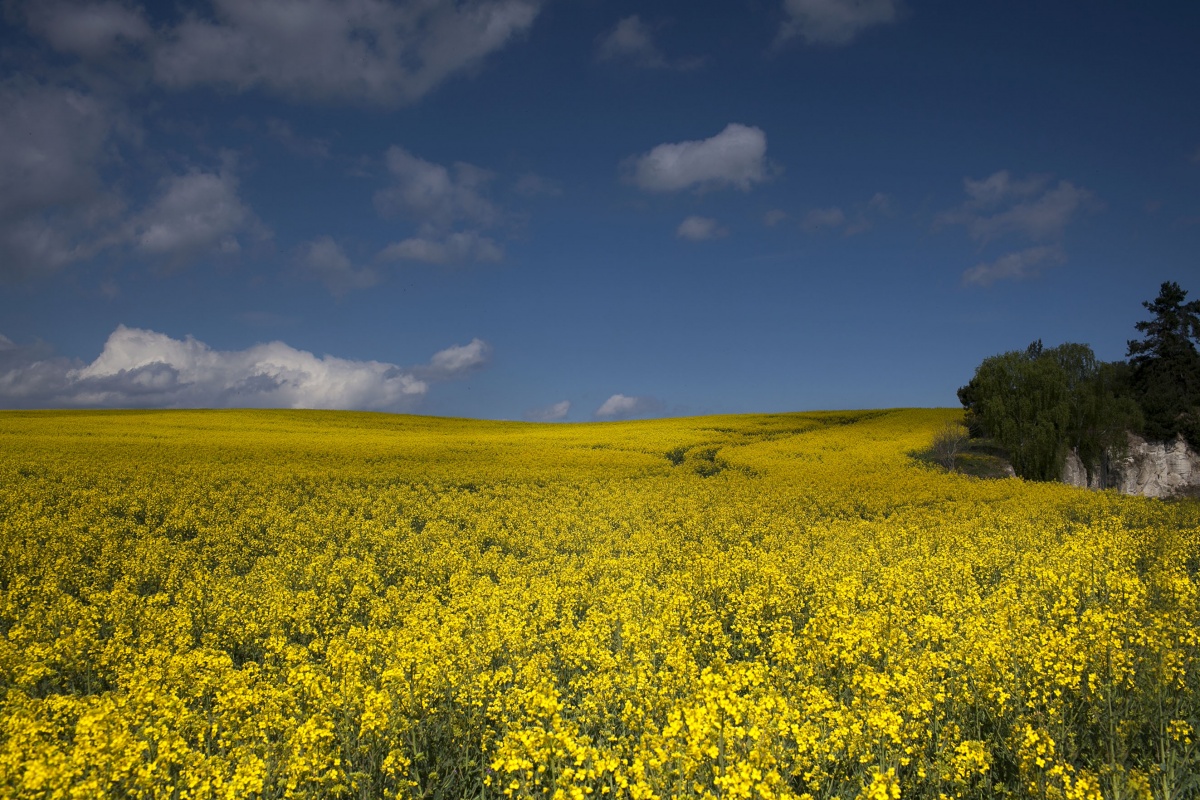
834,22
621,406
632,41
551,413
999,206
195,214
698,229
823,218
453,248
88,29
369,51
734,157
53,202
430,193
1015,266
143,368
324,260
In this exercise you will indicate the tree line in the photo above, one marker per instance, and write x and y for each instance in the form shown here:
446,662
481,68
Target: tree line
1042,402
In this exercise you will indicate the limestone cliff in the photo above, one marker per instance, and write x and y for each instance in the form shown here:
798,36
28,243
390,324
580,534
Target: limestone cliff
1150,469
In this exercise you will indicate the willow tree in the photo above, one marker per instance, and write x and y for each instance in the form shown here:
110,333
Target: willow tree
1039,404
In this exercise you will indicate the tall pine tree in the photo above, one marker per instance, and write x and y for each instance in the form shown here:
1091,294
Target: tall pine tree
1166,366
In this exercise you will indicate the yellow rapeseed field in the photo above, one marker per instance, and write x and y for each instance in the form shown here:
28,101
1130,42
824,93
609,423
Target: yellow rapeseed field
212,604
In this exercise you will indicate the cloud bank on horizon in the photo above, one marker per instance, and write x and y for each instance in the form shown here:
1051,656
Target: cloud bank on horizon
583,193
143,368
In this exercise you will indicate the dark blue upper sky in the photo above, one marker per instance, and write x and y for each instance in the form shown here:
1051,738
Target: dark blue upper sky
578,209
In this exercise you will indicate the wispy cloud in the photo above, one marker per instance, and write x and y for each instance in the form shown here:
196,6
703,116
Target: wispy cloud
620,406
368,51
632,42
324,260
1000,205
1033,210
834,22
1015,266
450,205
735,157
823,218
302,146
88,29
698,229
551,413
452,248
532,185
860,219
144,368
434,193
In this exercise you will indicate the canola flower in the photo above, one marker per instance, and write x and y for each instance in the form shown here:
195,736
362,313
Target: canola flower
201,604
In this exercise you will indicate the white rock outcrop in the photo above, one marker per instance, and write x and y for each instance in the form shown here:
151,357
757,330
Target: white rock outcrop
1149,469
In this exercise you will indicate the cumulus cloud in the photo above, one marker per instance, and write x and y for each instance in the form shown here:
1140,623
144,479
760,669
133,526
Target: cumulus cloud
324,260
734,157
697,229
87,29
551,413
1015,266
365,51
53,201
632,42
195,214
621,406
143,368
834,22
1031,208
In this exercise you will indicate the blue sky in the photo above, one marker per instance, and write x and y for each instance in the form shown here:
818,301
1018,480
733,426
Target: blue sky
581,209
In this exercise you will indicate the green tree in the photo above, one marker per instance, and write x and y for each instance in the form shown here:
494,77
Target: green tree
1166,366
1040,403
